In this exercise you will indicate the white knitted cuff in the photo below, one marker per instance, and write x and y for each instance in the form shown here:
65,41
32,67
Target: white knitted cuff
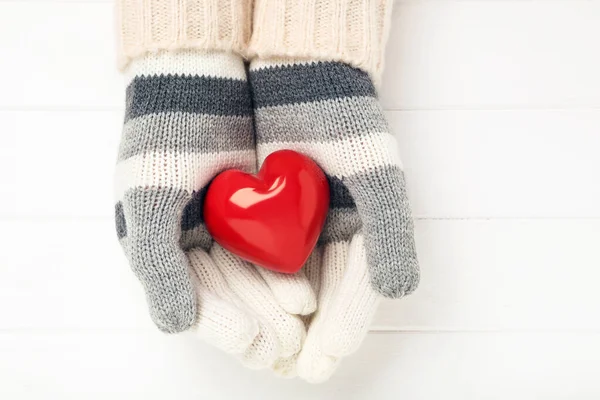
353,31
151,25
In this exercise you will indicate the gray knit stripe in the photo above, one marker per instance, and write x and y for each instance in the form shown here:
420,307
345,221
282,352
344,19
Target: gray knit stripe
178,131
304,83
322,121
153,248
194,235
192,94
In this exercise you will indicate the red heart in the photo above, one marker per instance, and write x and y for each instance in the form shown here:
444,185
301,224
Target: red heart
272,219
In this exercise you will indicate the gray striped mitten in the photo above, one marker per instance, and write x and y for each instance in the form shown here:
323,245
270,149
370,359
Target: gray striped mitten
330,112
189,117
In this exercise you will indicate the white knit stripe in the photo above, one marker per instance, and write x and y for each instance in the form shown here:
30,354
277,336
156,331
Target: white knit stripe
187,62
313,364
293,292
178,170
344,157
353,307
274,62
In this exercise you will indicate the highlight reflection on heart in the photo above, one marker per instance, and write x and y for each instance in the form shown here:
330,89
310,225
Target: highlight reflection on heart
247,197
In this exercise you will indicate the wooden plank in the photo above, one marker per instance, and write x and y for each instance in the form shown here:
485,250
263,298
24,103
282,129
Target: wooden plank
441,54
502,274
419,366
60,55
493,54
58,163
501,164
476,275
67,274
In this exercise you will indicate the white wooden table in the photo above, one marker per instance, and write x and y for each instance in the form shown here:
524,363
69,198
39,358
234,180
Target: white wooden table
496,107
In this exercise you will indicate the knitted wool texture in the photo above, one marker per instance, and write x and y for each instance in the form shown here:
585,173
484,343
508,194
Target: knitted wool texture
152,25
330,112
189,117
354,31
351,31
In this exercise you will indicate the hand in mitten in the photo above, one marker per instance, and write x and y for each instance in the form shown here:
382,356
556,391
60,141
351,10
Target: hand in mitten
330,112
189,117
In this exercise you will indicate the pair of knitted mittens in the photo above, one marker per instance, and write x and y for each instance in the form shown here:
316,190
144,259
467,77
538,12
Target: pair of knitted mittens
194,109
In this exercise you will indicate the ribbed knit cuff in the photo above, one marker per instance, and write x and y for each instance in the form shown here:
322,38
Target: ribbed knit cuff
152,25
350,31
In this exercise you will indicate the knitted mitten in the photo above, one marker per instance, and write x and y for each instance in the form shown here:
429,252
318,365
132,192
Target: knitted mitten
189,117
330,112
312,80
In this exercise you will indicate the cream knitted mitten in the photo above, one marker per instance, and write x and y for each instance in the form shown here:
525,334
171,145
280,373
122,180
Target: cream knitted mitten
189,117
330,112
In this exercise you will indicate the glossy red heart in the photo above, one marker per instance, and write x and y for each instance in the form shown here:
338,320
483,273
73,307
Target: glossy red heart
273,219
